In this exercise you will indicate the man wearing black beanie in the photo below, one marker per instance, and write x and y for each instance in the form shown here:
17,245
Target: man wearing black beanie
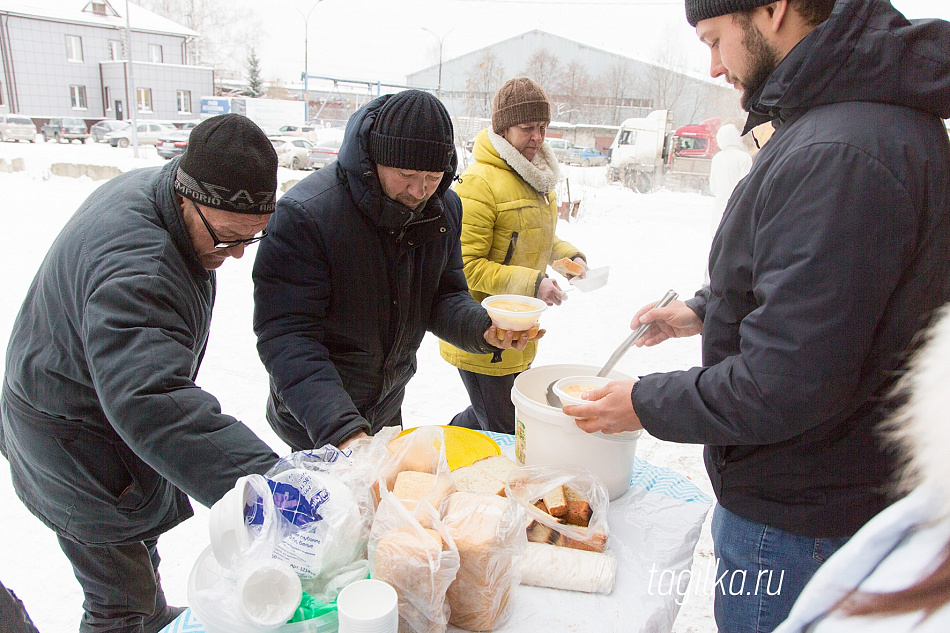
106,432
363,258
831,257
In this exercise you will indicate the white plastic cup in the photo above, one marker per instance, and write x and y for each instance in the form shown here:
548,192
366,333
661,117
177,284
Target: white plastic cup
226,526
269,594
368,606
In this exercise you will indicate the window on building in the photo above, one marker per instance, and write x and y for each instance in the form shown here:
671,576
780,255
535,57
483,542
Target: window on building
77,97
143,97
184,102
155,53
107,97
116,50
73,48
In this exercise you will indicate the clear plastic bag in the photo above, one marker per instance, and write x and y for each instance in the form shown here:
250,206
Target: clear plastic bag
419,562
530,484
489,533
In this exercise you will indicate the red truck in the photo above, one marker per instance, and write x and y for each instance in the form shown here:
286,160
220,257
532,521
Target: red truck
692,148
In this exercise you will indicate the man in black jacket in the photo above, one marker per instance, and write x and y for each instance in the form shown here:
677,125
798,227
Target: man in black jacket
363,257
106,432
831,255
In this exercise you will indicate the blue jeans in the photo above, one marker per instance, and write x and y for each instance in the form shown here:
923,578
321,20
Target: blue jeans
760,571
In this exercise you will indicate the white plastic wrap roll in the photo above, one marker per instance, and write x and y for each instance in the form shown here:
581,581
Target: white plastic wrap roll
546,565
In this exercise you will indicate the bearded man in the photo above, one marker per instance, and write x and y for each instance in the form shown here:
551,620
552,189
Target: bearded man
833,253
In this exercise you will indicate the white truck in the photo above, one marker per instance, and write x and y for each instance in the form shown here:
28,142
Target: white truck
269,114
648,153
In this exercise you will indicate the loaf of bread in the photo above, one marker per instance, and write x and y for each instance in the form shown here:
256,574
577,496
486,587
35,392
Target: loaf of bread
567,267
419,570
560,568
489,533
496,466
472,479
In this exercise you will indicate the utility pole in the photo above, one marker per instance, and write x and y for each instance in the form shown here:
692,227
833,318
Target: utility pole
306,53
130,84
440,39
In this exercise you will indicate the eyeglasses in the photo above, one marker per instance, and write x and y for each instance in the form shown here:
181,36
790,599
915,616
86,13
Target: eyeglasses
221,244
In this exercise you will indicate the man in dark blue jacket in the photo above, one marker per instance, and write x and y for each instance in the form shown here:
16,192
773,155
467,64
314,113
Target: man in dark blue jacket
363,257
832,254
106,432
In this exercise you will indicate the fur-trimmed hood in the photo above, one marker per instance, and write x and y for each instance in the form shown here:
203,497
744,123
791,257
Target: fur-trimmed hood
542,173
922,426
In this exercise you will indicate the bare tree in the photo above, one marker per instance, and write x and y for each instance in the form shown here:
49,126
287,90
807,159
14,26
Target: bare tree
618,84
483,79
543,67
224,35
573,89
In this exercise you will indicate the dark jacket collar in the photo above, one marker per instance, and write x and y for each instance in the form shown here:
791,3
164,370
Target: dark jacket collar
362,182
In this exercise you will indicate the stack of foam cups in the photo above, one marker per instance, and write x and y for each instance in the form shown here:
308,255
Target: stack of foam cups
368,606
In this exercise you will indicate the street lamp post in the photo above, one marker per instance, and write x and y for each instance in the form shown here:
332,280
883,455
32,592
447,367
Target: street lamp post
306,51
440,39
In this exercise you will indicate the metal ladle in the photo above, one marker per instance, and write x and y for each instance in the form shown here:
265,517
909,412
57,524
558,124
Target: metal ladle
670,295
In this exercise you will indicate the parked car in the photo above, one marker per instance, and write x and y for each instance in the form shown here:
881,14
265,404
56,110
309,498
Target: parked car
146,133
323,154
308,132
99,130
560,147
292,151
584,156
14,127
65,129
173,143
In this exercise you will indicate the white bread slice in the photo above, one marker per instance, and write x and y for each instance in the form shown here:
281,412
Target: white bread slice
556,502
497,466
412,485
471,479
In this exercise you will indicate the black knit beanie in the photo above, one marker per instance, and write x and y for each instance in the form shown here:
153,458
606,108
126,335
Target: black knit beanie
413,130
697,10
229,164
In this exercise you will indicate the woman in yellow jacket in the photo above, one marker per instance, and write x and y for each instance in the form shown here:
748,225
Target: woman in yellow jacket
509,213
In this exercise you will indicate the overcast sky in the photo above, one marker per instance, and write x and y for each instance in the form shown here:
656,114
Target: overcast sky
386,39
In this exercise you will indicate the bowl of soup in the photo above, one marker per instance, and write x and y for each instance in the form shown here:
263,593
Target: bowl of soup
514,312
571,389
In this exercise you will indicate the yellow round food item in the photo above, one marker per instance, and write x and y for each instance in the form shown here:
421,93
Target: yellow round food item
463,446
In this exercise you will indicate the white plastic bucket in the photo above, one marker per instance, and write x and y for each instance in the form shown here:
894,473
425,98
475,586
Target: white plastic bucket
544,435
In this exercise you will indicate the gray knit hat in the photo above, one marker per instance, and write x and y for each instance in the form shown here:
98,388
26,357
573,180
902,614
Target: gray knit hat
697,10
519,101
413,130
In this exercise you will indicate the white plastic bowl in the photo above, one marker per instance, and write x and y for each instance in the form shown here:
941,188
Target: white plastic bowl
517,321
594,279
569,389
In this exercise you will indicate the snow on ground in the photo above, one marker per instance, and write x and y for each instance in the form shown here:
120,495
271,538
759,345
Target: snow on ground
651,242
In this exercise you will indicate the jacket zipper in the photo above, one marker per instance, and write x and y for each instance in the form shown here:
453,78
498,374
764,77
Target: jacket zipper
511,248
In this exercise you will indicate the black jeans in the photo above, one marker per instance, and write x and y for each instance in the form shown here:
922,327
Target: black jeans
121,586
491,409
13,615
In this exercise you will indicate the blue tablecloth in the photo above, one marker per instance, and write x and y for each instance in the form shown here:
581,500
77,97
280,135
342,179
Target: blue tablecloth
661,505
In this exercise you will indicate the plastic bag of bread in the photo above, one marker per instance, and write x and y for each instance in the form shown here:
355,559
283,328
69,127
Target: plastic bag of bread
489,533
422,451
565,506
420,563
